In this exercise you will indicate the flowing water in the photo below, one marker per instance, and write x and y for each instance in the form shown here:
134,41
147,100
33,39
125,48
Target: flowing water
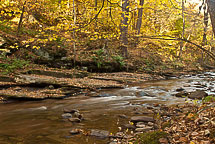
40,122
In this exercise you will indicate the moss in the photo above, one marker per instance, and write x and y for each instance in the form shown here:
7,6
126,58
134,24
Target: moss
150,137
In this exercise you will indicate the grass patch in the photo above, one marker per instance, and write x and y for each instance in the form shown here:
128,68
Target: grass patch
150,137
8,65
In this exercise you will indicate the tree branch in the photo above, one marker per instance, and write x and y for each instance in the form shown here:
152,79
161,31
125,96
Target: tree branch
179,39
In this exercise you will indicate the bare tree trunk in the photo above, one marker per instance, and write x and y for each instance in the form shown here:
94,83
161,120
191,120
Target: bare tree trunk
140,15
20,20
182,35
211,9
74,46
204,40
96,3
124,27
68,3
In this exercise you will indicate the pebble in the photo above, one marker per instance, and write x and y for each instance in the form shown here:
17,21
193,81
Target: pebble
142,119
129,126
66,115
150,123
141,126
123,116
65,110
75,131
74,120
144,129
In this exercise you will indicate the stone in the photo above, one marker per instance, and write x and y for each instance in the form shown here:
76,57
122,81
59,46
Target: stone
75,131
113,142
99,133
150,124
179,89
140,125
93,94
156,105
143,129
119,134
77,120
199,94
66,115
163,141
44,54
51,87
181,94
123,116
129,126
65,110
142,93
142,119
77,114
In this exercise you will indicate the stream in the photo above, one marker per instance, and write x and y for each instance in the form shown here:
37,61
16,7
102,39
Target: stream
41,122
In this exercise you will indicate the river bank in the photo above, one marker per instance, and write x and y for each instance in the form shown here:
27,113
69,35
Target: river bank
41,82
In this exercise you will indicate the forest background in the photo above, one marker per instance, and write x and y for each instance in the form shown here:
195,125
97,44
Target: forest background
106,35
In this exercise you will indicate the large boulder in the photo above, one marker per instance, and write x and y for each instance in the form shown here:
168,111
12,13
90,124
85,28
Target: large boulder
99,133
199,94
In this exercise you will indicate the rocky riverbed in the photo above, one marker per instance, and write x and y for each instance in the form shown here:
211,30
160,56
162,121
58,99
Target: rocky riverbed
54,83
116,115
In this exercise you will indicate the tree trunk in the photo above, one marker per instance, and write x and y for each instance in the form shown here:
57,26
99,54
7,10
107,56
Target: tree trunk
74,46
183,29
20,20
211,9
140,15
204,40
124,27
96,3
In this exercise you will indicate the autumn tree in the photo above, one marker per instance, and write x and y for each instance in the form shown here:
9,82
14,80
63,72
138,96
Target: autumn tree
140,15
124,27
211,8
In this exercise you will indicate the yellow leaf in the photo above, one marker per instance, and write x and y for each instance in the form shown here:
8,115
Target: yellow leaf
190,115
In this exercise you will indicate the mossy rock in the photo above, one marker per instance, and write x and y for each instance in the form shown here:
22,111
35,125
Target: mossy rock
150,137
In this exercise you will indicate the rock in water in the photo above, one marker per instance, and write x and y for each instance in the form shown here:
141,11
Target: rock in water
142,119
199,94
75,131
99,133
77,120
66,110
66,115
143,129
181,94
